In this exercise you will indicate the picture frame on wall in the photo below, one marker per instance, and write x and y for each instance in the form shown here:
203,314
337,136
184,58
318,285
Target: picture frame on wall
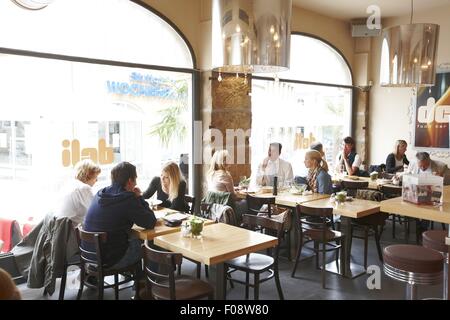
431,131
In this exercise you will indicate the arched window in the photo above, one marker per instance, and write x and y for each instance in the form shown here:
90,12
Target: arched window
88,79
310,102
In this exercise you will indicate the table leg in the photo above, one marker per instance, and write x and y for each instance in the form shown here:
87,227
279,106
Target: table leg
220,293
350,270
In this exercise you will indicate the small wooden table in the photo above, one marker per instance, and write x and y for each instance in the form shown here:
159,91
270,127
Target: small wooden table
373,184
357,208
220,242
160,227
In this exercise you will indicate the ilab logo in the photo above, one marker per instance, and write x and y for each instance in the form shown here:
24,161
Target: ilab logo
72,153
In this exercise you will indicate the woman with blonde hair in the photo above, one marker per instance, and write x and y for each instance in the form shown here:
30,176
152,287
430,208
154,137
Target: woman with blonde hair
219,179
170,188
77,195
397,159
318,178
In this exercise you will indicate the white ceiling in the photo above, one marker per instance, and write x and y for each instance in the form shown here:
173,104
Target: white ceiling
351,9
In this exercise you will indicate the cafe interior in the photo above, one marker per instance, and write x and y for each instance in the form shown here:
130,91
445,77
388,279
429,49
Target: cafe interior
261,149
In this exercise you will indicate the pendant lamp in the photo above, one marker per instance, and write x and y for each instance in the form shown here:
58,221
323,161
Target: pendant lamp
33,4
251,36
408,56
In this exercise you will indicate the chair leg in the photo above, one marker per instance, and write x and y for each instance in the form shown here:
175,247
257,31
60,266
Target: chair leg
116,286
299,252
443,226
136,282
62,287
278,284
432,225
256,287
80,289
206,271
247,284
406,231
199,270
377,242
100,287
393,226
366,245
316,249
288,237
323,263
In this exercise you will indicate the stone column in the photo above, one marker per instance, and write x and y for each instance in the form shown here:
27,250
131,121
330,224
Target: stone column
226,110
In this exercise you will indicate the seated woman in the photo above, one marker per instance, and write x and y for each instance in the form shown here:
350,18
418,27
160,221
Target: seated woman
170,188
318,178
396,160
219,179
77,195
348,160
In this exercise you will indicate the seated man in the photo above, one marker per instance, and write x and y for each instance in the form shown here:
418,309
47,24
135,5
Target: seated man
425,165
114,210
273,166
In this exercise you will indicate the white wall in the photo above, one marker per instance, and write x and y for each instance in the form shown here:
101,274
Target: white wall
388,117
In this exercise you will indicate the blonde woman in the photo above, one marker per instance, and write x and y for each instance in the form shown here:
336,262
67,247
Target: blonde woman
170,188
397,159
219,179
77,195
318,178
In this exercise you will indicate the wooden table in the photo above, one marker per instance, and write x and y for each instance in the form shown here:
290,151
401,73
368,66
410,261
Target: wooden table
220,242
439,213
357,208
160,227
373,184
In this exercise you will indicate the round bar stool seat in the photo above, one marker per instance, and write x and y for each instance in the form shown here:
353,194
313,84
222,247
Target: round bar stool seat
435,239
414,265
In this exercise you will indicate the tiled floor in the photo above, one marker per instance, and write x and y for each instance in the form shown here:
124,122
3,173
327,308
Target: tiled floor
306,285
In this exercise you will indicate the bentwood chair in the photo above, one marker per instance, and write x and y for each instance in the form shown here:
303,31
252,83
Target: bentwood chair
164,285
92,265
257,263
314,225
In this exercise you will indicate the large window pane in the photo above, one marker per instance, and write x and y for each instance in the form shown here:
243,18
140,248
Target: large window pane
118,30
75,110
304,114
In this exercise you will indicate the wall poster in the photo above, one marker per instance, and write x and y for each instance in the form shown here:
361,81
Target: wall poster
432,111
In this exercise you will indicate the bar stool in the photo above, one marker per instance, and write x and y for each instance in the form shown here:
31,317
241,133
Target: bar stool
415,265
435,239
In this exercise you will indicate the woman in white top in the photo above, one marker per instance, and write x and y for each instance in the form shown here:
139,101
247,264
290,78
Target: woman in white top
219,179
77,195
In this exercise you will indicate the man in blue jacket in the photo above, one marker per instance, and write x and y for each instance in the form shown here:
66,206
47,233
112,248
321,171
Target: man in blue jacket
114,210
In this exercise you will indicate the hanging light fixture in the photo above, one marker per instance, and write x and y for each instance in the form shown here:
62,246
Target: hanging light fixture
408,54
251,36
33,4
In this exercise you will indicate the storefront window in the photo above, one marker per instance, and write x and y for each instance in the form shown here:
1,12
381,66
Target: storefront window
55,112
298,114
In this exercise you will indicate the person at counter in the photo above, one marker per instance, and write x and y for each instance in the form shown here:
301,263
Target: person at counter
425,165
273,166
170,188
348,160
396,160
318,178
